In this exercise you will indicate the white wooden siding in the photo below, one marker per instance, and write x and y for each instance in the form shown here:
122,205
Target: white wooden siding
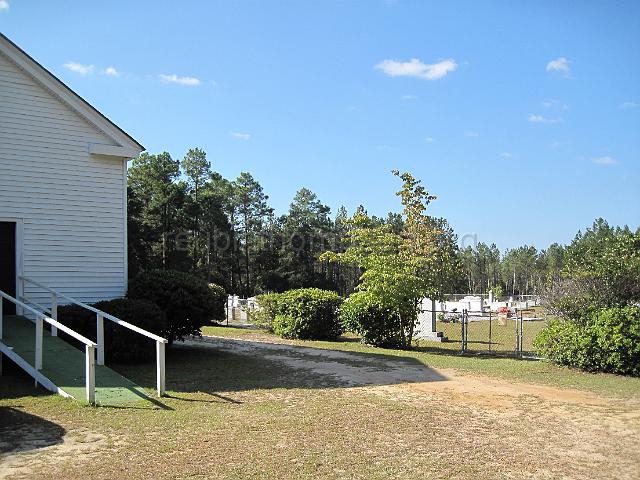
72,203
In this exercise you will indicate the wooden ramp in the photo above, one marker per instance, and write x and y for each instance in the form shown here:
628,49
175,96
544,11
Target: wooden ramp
63,366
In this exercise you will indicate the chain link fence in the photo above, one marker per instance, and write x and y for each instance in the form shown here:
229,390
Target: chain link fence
483,332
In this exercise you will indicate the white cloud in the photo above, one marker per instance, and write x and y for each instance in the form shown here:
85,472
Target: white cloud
560,64
554,103
4,5
409,97
629,105
607,161
173,78
535,118
471,134
428,140
416,68
111,71
506,155
79,68
240,136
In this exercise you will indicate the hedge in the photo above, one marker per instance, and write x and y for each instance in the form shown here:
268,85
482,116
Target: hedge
607,341
376,324
306,314
187,300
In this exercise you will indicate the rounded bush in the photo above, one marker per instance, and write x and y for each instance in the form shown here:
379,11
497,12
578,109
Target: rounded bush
187,300
607,341
307,314
121,344
375,324
266,310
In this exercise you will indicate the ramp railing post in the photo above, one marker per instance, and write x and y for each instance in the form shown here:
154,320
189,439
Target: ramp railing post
38,359
54,313
1,302
90,374
160,368
100,338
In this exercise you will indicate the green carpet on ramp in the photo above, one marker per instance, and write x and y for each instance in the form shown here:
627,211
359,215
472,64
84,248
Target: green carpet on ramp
64,365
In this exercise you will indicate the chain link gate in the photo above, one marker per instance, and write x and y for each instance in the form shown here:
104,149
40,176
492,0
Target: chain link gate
507,332
484,332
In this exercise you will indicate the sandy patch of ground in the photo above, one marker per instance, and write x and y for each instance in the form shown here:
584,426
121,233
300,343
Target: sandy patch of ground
30,448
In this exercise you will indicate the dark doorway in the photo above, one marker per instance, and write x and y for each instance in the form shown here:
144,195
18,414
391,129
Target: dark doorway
8,264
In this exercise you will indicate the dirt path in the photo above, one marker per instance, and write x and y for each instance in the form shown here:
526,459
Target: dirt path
399,376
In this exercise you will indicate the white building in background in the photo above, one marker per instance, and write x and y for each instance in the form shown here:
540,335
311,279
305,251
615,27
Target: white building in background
63,187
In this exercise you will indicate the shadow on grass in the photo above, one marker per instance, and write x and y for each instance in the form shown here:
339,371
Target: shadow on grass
215,369
22,432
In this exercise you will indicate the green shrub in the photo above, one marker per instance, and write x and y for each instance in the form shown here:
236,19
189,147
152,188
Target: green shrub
220,301
376,324
307,314
187,300
266,310
121,344
607,341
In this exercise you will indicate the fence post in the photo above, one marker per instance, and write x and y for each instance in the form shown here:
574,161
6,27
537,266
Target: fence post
517,322
100,338
54,314
490,341
462,332
433,316
160,377
465,329
90,374
521,335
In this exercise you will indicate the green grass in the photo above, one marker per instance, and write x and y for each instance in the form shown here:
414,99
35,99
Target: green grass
250,415
528,371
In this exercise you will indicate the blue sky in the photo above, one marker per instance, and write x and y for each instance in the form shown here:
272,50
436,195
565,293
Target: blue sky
522,117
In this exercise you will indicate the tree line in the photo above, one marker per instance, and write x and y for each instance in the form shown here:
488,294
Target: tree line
182,215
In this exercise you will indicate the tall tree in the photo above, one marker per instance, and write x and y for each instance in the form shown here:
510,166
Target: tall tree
307,229
156,199
400,269
251,213
197,169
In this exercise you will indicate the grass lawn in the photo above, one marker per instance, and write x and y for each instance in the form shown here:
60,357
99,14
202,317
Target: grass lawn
269,411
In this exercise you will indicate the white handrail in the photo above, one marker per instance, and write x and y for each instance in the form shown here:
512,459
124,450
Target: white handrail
40,317
49,320
100,316
106,315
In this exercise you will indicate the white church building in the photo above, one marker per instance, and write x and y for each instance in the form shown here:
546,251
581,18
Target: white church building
63,187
